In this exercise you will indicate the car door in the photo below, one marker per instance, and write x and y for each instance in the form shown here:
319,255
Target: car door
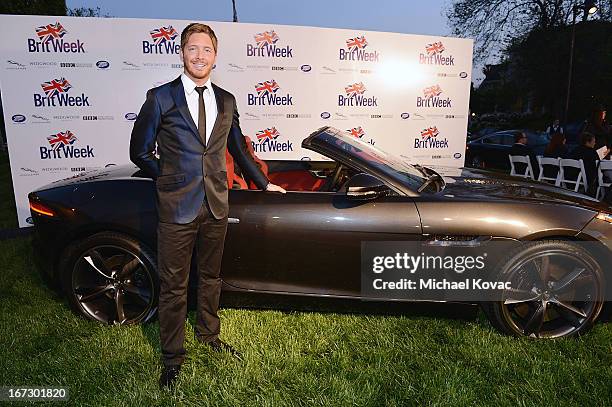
308,242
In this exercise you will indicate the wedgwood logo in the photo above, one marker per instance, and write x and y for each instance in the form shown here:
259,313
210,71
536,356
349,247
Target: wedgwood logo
325,115
18,118
306,68
131,116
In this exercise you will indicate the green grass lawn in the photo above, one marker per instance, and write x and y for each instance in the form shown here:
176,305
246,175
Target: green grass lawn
8,213
296,358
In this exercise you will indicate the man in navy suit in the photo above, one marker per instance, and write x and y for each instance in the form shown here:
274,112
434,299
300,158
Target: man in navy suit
188,123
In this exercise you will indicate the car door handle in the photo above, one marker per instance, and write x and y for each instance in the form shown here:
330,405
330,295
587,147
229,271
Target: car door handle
233,220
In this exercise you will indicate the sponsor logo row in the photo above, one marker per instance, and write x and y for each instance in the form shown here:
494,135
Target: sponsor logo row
42,119
165,40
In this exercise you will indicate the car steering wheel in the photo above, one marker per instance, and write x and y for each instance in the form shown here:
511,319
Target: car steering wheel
333,178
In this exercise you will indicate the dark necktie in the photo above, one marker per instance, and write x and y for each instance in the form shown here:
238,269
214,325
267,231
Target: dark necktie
201,114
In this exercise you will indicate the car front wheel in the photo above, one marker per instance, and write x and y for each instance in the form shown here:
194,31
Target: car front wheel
557,291
111,278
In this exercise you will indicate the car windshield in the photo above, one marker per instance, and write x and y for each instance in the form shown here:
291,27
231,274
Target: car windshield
372,157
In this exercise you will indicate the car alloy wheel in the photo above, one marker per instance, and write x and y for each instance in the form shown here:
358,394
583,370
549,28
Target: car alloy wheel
111,278
557,291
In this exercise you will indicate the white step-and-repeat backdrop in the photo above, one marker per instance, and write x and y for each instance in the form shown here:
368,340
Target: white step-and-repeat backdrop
72,87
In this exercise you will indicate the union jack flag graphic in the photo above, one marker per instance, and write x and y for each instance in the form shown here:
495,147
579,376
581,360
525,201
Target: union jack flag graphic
50,31
434,48
356,43
356,132
355,89
429,132
267,134
163,34
266,38
267,87
55,87
432,91
61,138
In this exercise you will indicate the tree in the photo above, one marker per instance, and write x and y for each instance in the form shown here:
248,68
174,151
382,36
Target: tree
540,67
495,23
36,7
84,12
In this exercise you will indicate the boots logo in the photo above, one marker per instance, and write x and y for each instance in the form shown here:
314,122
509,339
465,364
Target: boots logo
56,94
162,41
356,51
429,139
266,46
354,96
433,55
62,146
267,95
267,141
431,98
50,38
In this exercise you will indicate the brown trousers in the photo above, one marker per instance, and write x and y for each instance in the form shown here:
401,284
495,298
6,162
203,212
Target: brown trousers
175,244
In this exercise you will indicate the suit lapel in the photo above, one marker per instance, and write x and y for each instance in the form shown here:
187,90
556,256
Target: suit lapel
220,112
178,93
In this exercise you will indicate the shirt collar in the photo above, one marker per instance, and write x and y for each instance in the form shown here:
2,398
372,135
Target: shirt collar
189,85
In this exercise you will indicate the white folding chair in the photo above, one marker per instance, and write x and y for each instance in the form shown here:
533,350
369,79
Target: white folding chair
549,162
580,180
604,165
523,159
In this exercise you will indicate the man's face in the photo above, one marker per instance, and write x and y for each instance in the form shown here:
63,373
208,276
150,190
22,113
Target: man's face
591,143
199,57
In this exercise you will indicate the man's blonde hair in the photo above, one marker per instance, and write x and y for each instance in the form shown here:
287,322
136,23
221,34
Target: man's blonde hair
198,28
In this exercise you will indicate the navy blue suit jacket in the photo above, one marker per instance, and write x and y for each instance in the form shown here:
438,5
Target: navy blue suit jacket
188,169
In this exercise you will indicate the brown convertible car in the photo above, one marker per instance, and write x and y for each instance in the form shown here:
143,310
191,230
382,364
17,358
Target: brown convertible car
95,233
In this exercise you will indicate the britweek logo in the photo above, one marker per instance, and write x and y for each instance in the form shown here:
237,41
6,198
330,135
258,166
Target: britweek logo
429,139
433,55
56,94
267,141
61,146
162,41
431,98
354,96
267,95
356,51
265,46
50,38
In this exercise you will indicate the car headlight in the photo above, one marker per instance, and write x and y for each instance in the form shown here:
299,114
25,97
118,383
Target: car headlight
604,216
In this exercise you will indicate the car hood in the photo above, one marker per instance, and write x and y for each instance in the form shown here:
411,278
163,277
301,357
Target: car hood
473,184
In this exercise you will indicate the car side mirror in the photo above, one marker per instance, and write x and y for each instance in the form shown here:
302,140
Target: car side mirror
364,187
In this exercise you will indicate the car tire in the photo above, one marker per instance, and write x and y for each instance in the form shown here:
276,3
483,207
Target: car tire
111,278
546,309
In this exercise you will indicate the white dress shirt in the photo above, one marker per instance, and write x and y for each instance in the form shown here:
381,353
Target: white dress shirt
193,103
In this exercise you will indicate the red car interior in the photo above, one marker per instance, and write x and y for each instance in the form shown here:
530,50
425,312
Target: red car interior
292,180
